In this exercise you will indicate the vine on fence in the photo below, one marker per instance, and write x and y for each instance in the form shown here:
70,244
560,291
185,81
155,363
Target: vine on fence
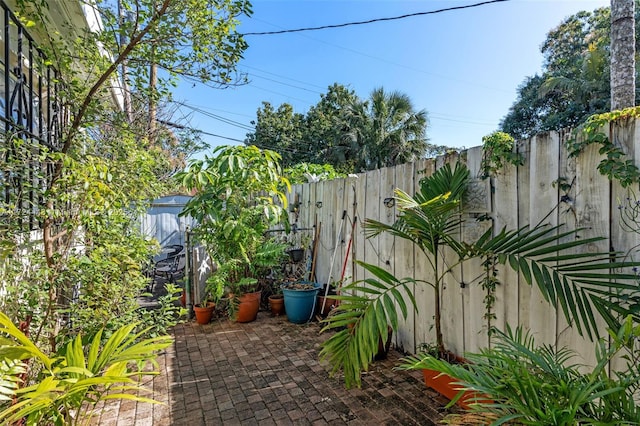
614,166
489,283
497,151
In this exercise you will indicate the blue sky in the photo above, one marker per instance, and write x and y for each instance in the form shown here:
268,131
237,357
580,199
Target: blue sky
463,67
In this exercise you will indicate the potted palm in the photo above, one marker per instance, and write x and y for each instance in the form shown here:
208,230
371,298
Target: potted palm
557,261
239,195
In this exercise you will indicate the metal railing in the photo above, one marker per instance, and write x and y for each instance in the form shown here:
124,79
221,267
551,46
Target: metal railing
33,116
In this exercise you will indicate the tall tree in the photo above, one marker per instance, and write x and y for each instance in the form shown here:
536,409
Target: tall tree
397,132
280,130
346,132
623,83
574,82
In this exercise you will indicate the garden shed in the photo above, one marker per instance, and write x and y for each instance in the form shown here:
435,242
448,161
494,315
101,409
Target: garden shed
163,222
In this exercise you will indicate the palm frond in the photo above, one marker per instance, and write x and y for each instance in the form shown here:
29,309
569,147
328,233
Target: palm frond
366,309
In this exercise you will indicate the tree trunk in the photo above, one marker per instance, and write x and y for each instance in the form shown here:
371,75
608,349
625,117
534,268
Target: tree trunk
623,82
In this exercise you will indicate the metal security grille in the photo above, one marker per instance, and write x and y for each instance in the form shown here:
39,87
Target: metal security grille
32,115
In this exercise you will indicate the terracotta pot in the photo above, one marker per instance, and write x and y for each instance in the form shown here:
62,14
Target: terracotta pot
444,385
328,305
204,314
276,304
183,299
248,307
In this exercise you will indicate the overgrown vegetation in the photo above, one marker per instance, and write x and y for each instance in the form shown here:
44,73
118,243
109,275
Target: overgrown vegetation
616,165
71,250
497,152
69,384
240,194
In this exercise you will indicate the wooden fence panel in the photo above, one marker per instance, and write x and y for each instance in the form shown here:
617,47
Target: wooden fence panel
477,203
524,204
452,294
404,263
567,335
359,239
504,204
624,232
322,207
544,171
372,211
424,326
386,243
338,246
351,224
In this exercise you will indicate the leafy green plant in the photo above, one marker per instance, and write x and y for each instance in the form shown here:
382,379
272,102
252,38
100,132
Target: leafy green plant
69,384
158,321
428,220
497,151
580,284
616,165
362,318
239,197
526,384
305,172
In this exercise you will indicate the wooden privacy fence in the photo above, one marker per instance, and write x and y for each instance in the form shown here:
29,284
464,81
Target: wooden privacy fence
549,187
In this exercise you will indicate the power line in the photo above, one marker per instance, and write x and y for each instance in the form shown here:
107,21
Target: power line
183,127
216,116
370,21
282,76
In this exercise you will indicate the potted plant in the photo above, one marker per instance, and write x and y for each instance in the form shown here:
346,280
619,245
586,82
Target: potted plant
300,300
553,259
239,195
276,304
204,311
243,279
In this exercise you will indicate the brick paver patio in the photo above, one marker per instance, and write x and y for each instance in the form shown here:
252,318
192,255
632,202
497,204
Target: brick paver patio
267,373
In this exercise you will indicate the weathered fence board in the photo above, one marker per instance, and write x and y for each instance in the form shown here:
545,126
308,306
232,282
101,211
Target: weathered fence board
404,262
544,166
424,331
477,203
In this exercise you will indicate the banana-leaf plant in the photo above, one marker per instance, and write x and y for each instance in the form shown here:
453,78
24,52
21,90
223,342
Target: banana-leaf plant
70,384
583,284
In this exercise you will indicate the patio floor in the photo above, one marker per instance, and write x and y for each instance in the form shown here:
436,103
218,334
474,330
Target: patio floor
267,373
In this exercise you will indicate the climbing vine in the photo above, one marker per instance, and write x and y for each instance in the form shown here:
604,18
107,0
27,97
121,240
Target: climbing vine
489,283
615,165
497,151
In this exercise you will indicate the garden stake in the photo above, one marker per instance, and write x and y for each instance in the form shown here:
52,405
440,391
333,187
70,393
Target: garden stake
346,255
333,259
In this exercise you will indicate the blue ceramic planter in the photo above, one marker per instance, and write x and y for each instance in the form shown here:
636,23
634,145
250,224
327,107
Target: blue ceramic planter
299,304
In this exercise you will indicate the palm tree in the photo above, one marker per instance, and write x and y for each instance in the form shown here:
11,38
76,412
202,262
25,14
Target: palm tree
386,129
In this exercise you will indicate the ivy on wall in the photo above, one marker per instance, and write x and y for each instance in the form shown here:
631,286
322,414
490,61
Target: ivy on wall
616,165
497,151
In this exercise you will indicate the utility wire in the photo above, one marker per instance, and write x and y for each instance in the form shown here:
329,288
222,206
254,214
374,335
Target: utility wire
370,21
